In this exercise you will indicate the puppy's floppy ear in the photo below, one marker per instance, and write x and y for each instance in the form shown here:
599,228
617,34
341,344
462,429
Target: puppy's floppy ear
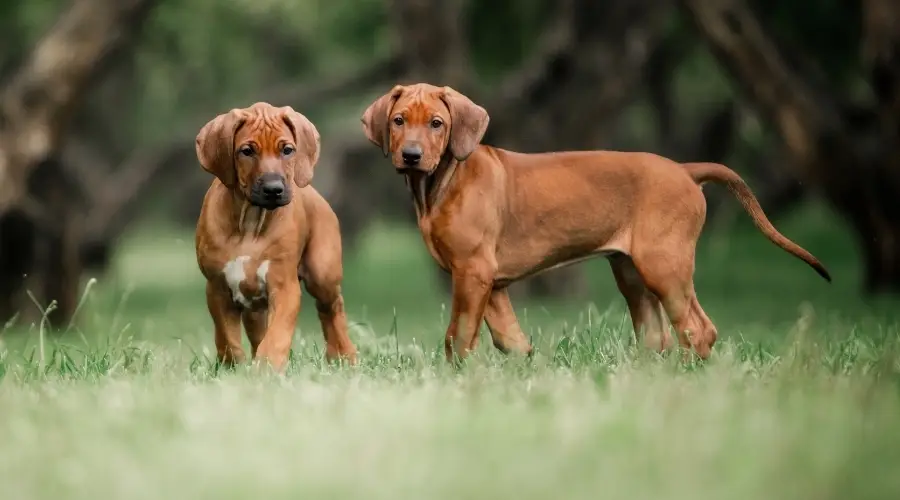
309,143
375,119
469,122
215,146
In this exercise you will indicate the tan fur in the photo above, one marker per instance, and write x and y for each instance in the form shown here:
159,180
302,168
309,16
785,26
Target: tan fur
491,217
298,241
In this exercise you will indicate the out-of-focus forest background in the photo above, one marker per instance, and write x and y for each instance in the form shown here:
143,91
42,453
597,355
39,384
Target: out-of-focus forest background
100,102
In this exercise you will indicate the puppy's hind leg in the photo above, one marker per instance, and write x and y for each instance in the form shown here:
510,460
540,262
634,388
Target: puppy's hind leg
322,274
669,275
330,306
501,320
647,314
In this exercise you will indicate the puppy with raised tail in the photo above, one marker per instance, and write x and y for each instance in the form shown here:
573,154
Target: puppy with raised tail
490,217
262,230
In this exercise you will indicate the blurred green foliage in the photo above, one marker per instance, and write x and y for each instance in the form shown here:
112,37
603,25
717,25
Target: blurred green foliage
201,56
197,58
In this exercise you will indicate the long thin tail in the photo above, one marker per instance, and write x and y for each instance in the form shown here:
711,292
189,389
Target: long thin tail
704,172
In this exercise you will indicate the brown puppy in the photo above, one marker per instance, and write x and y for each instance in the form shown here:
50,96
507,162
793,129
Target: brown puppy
258,236
491,217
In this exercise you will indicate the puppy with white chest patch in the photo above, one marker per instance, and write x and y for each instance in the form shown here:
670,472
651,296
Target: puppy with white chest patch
262,230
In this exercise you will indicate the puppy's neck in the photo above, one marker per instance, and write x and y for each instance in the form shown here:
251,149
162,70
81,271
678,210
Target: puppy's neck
428,189
248,220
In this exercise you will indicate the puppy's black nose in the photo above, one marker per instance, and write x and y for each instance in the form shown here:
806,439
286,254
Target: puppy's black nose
411,154
272,188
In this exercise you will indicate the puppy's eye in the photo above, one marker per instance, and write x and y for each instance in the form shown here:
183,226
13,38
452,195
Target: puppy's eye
287,150
246,151
436,123
398,121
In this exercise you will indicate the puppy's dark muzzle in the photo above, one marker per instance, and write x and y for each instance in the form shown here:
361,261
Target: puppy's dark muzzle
270,191
411,156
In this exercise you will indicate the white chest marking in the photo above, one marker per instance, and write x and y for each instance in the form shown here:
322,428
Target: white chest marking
235,275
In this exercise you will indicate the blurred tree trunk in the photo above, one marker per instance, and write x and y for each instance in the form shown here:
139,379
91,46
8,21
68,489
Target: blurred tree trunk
881,58
36,104
109,198
433,40
715,138
848,152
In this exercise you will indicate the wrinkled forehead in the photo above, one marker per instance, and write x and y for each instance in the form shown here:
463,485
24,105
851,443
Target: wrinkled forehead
420,104
265,126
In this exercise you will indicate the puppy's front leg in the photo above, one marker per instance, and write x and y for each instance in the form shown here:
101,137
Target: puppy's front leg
472,285
284,306
226,318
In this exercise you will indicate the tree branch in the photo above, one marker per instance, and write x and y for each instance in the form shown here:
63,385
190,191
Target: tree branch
116,202
802,113
86,165
881,56
593,61
379,74
659,75
431,39
41,94
557,42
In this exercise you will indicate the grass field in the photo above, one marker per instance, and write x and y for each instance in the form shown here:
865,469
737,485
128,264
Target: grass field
801,399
